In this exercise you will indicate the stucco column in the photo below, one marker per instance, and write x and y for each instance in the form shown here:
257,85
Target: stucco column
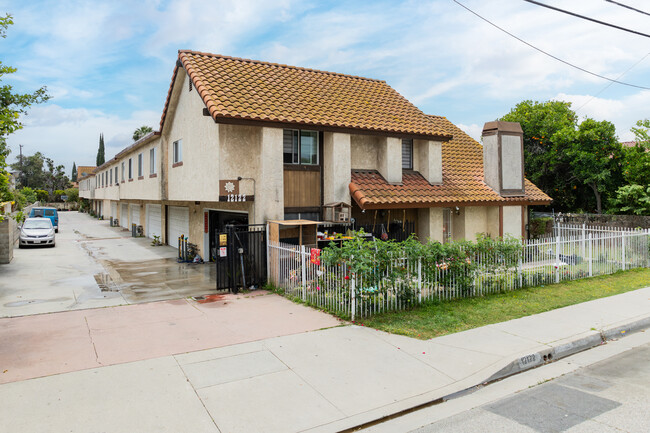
389,159
429,160
337,167
430,224
269,188
512,222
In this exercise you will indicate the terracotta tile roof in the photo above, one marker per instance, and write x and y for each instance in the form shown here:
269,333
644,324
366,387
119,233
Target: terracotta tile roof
248,90
462,180
87,169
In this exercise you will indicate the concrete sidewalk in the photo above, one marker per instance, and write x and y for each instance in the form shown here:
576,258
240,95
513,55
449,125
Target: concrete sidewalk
320,381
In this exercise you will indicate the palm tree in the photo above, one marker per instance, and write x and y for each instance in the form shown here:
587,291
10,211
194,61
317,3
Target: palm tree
141,132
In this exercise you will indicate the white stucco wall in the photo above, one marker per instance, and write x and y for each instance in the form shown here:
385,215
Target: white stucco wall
198,177
430,224
427,159
146,187
491,162
336,167
512,221
389,159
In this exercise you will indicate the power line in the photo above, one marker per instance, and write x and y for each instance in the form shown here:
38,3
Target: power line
609,84
587,18
628,7
548,54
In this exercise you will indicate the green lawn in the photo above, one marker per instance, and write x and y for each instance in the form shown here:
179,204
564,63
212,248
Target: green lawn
440,318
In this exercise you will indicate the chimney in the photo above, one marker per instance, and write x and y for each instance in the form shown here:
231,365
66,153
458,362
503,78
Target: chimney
503,158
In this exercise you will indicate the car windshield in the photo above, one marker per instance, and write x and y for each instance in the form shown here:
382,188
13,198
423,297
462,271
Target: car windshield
35,224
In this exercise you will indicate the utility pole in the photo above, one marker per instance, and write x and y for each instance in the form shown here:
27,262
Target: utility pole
22,175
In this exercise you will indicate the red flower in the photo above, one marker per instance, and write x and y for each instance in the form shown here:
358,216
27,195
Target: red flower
346,277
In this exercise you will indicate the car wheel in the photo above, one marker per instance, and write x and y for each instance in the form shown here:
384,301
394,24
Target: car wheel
20,246
56,230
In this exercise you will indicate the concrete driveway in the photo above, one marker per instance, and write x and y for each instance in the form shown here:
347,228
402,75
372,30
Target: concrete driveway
94,265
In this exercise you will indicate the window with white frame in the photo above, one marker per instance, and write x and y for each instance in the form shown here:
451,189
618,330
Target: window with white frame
140,164
152,160
177,151
300,147
122,171
407,154
130,168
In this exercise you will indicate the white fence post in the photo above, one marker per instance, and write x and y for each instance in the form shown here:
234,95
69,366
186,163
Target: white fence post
584,231
419,280
303,272
557,259
353,296
520,270
591,255
623,248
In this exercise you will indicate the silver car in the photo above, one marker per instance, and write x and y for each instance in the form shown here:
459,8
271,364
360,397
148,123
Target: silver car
37,231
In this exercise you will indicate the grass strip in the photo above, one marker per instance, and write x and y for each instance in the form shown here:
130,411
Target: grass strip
438,318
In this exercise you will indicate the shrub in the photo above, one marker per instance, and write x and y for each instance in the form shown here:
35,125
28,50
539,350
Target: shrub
42,196
29,194
73,194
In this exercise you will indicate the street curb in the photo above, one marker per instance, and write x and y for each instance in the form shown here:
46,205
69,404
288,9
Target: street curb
524,363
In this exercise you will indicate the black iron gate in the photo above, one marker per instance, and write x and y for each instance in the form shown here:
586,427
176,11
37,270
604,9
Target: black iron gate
241,257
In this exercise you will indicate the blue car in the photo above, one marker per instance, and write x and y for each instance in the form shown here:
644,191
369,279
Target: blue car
46,212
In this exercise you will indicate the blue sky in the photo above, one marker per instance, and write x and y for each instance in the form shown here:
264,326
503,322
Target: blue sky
108,64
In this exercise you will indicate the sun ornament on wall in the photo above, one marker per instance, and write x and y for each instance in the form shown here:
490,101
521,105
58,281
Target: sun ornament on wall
229,187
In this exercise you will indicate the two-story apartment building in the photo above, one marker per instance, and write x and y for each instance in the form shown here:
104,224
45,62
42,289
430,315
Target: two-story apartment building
248,141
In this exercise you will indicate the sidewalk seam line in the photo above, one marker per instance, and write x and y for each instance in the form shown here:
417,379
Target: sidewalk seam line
196,393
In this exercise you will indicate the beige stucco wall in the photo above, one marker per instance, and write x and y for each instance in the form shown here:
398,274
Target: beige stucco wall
491,161
427,160
336,167
475,221
363,152
198,177
269,202
239,154
430,224
145,188
458,225
511,162
389,159
512,221
492,223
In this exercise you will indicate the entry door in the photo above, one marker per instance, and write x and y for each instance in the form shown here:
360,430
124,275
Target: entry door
154,221
217,223
179,224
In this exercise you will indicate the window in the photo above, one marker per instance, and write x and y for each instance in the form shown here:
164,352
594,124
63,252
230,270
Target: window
407,154
178,151
140,163
300,147
116,181
122,171
130,168
152,161
110,177
103,179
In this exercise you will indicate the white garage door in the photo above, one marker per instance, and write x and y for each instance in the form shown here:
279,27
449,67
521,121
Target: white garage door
179,224
135,214
154,221
114,209
124,216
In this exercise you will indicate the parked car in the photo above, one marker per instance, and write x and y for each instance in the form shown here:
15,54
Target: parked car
37,231
46,212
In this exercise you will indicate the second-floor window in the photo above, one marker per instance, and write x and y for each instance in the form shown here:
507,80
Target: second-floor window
178,151
116,181
140,163
152,160
110,177
122,171
407,154
300,147
130,168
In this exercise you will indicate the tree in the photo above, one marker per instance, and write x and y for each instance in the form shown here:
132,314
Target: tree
579,166
141,132
12,106
72,194
100,152
39,172
635,196
73,177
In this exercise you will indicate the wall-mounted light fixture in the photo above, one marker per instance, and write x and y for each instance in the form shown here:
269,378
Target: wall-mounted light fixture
457,210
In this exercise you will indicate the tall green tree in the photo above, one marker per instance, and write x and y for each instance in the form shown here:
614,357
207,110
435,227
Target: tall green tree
578,165
73,176
634,197
141,132
12,106
40,172
100,151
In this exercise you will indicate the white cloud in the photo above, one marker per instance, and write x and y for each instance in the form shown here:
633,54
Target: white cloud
72,135
475,131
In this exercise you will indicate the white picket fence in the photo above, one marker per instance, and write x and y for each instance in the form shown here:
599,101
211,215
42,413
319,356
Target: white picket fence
576,252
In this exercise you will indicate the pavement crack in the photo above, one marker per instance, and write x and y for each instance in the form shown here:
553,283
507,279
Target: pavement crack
90,335
196,393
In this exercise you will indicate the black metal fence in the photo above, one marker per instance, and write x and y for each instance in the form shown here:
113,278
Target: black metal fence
241,257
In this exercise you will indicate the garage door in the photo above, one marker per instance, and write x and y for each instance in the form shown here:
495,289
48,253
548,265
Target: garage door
113,210
154,222
135,214
179,224
124,216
